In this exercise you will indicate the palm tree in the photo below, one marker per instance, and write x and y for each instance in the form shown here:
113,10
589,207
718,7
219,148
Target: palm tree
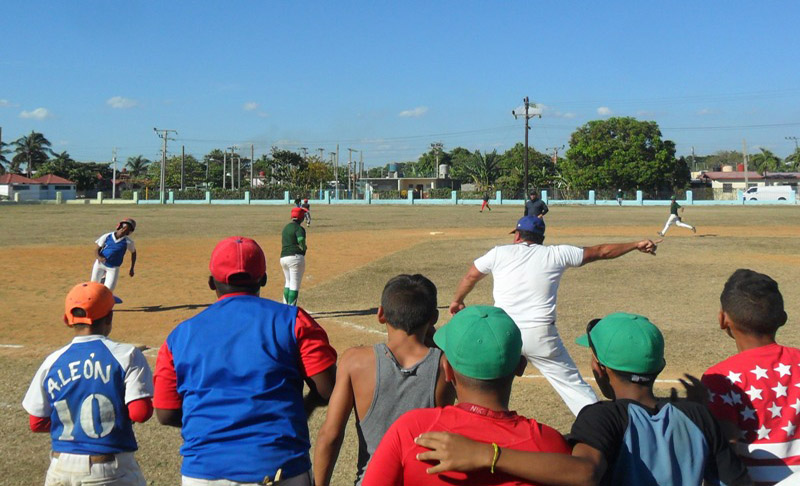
31,150
137,165
484,169
766,161
3,160
792,162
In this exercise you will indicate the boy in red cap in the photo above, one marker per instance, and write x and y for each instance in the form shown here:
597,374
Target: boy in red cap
293,256
110,252
88,394
307,207
232,378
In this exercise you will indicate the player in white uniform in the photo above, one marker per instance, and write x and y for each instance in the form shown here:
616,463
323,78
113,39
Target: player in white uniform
526,278
110,252
87,396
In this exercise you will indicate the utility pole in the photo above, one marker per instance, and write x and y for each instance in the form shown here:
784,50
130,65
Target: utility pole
114,174
336,171
183,167
744,156
555,150
350,171
795,139
252,163
224,164
321,154
164,135
233,148
437,148
694,161
528,114
305,152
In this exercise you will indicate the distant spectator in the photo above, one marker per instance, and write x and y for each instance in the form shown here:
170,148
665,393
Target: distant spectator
633,440
482,347
385,380
755,394
485,204
620,195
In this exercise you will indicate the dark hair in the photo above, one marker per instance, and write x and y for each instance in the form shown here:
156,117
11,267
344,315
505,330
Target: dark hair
502,384
409,302
753,302
537,238
244,287
78,312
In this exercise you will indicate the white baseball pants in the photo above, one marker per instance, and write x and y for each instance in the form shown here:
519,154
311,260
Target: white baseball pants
111,274
303,479
293,268
543,348
76,470
673,219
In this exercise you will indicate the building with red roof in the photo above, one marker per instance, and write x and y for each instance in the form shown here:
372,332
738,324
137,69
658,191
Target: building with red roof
17,187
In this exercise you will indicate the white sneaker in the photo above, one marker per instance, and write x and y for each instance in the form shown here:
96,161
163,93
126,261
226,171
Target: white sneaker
659,233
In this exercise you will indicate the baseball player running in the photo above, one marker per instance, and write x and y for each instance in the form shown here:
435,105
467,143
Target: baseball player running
675,219
110,252
293,256
526,275
87,396
307,207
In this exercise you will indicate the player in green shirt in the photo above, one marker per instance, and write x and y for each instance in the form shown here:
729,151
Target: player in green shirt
293,256
675,219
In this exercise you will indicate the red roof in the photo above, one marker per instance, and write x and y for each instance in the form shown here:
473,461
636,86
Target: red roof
52,179
16,179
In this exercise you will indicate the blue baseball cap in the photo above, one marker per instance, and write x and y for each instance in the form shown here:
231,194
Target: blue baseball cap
530,223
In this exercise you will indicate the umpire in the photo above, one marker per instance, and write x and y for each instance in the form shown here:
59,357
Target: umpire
535,206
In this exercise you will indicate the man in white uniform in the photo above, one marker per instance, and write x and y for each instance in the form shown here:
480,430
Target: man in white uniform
526,277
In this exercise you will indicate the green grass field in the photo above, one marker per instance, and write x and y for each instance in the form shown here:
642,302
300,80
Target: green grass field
44,250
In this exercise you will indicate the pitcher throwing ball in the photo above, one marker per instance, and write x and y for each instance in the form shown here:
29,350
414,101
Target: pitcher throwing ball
110,252
293,256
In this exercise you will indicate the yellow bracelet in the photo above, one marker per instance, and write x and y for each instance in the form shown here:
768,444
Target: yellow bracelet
496,456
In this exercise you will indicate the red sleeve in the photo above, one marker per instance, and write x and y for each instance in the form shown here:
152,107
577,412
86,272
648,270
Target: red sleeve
165,381
39,424
316,353
719,386
386,464
140,410
553,441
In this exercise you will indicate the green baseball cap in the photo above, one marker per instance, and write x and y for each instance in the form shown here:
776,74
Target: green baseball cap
626,342
481,342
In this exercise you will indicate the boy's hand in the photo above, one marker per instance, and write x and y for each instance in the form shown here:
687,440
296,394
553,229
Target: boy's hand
695,390
131,272
454,452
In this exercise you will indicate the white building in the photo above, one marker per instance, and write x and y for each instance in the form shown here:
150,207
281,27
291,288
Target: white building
51,184
727,183
12,184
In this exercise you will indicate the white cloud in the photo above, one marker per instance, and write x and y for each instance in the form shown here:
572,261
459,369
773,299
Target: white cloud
645,113
415,112
121,102
37,114
604,111
705,111
551,112
263,114
250,106
4,103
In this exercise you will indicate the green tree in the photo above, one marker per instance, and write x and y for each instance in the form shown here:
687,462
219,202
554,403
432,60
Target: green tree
3,160
620,152
194,172
459,161
484,169
765,161
541,170
792,162
317,172
426,164
60,165
137,166
30,150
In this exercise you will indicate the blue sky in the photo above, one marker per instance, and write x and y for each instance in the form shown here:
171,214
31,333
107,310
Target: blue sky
390,78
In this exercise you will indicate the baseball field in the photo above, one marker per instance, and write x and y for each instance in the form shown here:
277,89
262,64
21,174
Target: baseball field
353,251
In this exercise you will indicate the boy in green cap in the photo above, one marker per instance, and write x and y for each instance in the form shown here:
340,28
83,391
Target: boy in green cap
634,439
483,352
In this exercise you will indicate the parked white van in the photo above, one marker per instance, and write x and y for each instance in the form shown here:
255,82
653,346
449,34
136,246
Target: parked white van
769,193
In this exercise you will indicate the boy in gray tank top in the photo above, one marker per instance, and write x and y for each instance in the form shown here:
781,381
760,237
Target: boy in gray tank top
388,379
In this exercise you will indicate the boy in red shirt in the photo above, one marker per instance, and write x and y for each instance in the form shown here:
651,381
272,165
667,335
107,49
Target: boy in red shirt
483,353
755,394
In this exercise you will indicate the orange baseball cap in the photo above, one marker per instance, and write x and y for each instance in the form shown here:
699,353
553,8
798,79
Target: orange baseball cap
238,256
93,298
298,213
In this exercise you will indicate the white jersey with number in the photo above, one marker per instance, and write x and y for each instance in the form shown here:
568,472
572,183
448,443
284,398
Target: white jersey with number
84,389
526,278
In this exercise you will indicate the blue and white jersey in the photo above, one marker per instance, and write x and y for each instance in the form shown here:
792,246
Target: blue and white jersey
113,250
84,388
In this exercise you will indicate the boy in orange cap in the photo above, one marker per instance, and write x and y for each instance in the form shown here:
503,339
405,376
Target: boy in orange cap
88,394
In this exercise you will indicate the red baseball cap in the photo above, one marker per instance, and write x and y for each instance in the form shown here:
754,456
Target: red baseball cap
93,298
298,213
239,259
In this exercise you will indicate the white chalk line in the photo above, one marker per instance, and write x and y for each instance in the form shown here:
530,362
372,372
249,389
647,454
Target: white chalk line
349,324
540,377
10,405
15,346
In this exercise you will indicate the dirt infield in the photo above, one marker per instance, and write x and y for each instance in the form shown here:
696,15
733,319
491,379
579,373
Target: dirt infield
44,250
